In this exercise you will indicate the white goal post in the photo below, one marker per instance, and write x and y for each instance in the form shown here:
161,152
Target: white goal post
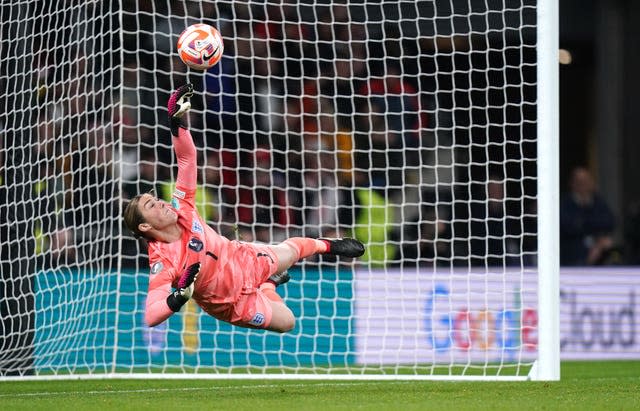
428,130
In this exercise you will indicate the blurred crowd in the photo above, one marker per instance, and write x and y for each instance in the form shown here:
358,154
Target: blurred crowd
316,125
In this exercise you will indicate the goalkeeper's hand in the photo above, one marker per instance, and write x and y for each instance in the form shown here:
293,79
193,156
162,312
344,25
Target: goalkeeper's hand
177,106
183,293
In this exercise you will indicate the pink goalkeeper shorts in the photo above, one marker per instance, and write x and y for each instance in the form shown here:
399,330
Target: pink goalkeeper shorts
252,308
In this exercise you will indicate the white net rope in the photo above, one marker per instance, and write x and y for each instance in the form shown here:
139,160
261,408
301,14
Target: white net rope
409,125
59,218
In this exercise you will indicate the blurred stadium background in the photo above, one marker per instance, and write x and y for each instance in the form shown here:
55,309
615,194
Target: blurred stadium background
598,130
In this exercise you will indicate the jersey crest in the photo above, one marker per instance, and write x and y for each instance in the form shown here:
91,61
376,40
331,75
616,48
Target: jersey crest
257,320
196,227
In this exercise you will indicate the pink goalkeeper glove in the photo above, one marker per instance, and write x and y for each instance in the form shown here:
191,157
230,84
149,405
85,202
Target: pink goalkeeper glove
177,106
183,293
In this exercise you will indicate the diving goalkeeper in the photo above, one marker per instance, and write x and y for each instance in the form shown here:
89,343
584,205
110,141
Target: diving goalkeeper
231,280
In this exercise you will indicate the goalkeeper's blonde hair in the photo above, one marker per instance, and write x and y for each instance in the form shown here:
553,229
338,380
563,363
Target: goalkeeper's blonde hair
133,217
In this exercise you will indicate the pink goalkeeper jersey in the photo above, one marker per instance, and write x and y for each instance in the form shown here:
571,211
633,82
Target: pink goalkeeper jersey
228,268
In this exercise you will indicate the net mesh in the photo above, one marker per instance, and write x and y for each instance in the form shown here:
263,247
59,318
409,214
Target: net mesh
408,125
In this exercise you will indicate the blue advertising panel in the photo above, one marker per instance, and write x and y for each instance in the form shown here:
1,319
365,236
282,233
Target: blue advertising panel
84,319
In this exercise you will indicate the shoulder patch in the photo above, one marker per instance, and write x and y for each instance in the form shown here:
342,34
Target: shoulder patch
157,267
179,193
175,204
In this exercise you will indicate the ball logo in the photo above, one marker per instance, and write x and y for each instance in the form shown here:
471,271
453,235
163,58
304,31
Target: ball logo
207,57
201,44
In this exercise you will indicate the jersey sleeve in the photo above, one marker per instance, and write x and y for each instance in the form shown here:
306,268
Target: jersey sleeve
187,161
156,308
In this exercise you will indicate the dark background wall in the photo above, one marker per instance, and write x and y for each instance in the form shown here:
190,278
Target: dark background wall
599,115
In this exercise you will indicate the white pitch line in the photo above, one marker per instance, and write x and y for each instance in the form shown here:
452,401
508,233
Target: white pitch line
185,389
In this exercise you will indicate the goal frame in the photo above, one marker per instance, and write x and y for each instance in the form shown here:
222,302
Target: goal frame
547,365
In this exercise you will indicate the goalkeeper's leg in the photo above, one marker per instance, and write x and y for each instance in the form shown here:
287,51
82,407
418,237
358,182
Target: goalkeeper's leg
263,309
282,319
287,254
296,248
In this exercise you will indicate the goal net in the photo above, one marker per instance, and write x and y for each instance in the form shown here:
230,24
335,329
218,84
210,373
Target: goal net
412,126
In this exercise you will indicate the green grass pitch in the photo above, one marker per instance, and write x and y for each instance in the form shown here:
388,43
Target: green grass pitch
606,385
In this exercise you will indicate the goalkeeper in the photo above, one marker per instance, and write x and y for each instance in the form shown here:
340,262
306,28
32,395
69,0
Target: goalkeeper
232,281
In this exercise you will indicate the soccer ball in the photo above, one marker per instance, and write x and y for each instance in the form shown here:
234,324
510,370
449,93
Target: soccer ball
200,46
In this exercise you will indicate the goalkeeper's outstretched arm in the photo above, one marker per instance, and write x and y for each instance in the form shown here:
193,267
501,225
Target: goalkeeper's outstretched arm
178,107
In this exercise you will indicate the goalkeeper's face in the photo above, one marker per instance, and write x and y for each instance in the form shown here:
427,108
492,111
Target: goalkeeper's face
157,214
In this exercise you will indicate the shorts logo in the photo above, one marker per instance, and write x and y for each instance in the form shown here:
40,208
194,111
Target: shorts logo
175,203
196,227
156,267
179,193
257,319
195,244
